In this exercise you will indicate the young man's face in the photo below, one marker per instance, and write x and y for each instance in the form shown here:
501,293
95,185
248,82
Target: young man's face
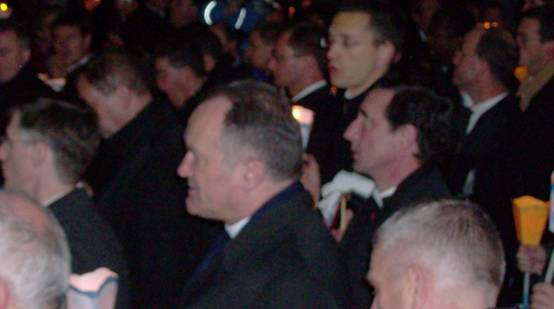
352,51
70,44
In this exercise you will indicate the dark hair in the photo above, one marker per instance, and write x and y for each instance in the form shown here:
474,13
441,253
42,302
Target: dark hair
268,32
20,31
307,39
428,113
206,42
545,16
115,68
386,23
181,54
79,20
260,121
71,132
497,47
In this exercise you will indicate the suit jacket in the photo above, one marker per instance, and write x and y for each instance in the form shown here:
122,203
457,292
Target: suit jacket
140,195
423,184
326,121
482,147
533,145
283,258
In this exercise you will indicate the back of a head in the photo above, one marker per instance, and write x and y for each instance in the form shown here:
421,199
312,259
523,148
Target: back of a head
498,48
307,39
258,108
180,54
70,132
34,254
429,113
455,240
115,68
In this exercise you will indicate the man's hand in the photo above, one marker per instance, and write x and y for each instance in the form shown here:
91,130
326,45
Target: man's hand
531,259
543,296
311,178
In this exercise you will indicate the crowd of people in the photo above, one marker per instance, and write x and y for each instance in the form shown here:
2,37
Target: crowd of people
159,136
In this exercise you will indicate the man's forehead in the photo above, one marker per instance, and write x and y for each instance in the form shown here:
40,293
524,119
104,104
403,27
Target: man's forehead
210,113
7,36
350,23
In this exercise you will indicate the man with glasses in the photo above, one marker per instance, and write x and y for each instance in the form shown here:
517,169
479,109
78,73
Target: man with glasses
299,65
363,44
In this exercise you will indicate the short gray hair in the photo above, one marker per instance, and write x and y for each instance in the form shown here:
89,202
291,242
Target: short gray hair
260,121
454,235
34,253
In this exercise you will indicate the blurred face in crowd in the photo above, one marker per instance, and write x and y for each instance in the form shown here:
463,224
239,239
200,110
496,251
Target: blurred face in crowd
375,145
182,13
173,81
532,52
424,11
12,55
70,44
286,66
529,4
258,52
212,182
352,51
16,155
467,64
110,108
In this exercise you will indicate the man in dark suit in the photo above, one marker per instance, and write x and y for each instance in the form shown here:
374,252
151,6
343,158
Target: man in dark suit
365,42
299,64
395,139
133,177
534,145
483,73
18,79
47,147
275,251
72,46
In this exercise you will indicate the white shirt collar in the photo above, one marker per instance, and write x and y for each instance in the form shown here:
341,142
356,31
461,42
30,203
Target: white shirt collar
380,196
311,88
49,201
79,63
234,229
477,110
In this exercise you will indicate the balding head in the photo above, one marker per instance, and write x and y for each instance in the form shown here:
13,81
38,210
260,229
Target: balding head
34,254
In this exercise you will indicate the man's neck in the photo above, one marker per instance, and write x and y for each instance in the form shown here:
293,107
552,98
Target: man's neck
305,81
359,89
255,199
482,92
50,191
393,176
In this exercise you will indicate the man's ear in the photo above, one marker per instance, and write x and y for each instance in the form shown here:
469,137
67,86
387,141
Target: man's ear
40,153
386,54
253,173
416,287
408,136
5,296
209,62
